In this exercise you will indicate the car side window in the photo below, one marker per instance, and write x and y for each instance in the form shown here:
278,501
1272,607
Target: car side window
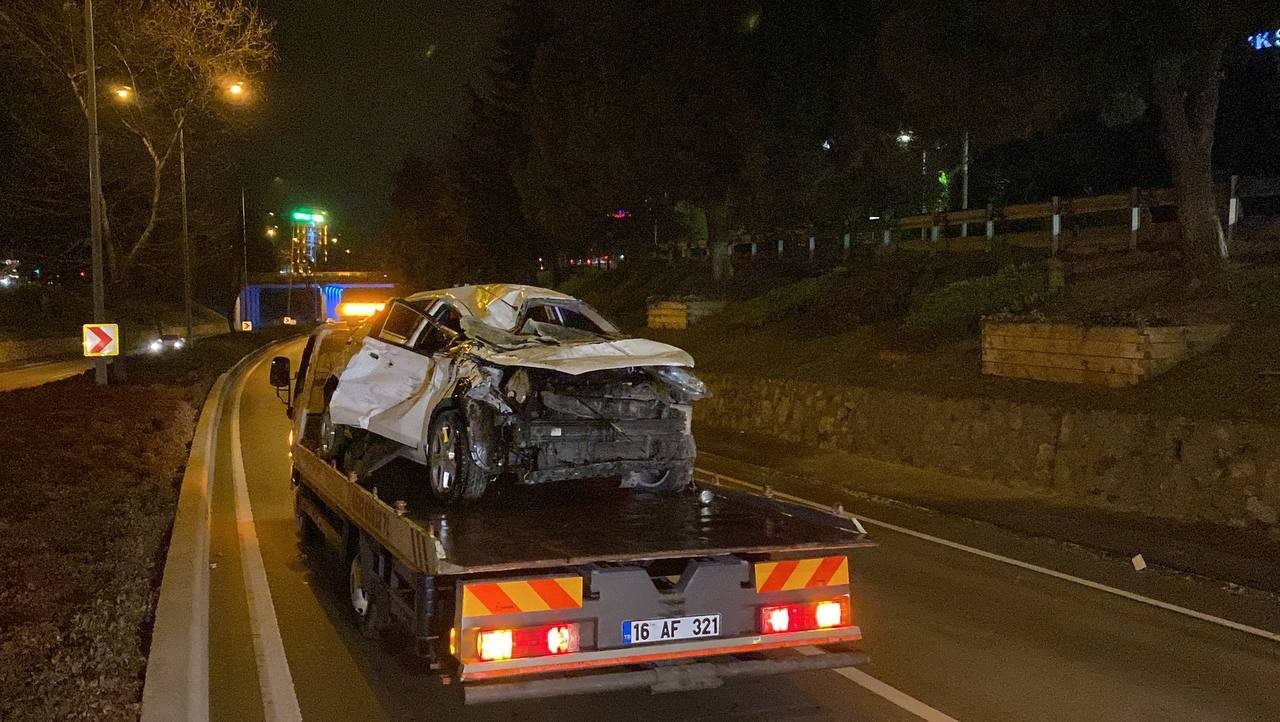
400,323
448,317
438,336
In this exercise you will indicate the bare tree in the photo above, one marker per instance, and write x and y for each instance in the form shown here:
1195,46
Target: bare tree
164,63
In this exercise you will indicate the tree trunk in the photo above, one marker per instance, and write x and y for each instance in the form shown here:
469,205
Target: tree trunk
718,240
1187,93
1201,231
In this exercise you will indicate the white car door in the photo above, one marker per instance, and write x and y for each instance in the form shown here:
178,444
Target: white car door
381,376
407,421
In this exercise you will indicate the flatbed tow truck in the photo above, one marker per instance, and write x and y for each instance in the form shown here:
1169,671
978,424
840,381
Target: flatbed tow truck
576,587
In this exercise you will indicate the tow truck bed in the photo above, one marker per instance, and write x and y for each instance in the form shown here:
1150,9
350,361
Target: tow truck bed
537,527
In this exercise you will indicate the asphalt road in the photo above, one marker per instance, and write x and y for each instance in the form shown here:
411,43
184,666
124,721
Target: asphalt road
41,372
950,634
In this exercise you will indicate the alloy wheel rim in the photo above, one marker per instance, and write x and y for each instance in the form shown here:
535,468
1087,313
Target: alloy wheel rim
443,458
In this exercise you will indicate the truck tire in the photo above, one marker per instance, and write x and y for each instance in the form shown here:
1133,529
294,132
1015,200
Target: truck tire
451,472
673,478
367,602
308,533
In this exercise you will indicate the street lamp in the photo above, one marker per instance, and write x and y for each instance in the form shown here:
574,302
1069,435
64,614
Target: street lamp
126,94
905,137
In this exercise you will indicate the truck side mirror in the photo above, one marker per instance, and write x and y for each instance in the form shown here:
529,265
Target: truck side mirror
280,372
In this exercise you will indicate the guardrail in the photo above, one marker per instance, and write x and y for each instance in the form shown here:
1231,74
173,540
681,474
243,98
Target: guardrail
934,227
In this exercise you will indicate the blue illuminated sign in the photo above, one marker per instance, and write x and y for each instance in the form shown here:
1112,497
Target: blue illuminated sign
1264,40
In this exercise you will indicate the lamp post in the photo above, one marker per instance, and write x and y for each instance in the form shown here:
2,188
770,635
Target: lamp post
126,94
95,188
186,237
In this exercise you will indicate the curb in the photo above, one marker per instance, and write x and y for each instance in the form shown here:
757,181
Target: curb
176,684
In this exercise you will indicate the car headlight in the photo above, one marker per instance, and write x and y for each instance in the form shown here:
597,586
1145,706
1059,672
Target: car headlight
179,343
157,346
682,380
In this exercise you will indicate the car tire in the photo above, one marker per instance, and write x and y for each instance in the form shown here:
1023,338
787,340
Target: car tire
331,438
671,479
451,472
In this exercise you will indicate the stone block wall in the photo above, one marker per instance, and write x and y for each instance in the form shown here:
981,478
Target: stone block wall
1217,471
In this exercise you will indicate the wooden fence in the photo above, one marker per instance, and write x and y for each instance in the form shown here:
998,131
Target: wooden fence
1118,219
1108,222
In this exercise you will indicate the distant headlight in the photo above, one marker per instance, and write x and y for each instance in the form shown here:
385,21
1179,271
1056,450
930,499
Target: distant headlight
6,281
157,346
682,380
179,343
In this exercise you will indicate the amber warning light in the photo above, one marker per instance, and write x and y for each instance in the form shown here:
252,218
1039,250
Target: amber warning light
357,309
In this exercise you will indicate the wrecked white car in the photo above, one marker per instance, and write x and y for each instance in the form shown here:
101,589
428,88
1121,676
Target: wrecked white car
482,381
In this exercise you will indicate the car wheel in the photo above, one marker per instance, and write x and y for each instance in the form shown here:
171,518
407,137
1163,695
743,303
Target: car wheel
330,437
674,478
452,472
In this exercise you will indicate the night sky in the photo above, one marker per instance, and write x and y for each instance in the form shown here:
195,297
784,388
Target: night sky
358,85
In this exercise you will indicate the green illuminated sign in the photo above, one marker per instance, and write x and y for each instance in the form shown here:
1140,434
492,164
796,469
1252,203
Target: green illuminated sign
304,215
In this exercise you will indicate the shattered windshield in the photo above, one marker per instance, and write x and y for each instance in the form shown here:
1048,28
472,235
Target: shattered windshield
546,322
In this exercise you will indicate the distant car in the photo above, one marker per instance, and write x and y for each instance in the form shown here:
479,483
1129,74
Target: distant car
479,381
168,342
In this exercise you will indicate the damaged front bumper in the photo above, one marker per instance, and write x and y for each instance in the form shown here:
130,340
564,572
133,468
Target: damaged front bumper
564,450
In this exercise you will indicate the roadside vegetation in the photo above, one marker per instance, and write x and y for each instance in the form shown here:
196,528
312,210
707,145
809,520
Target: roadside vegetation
88,487
32,311
909,321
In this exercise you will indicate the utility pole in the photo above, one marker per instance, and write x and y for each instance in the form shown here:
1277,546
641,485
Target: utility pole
95,189
964,184
244,243
186,237
924,187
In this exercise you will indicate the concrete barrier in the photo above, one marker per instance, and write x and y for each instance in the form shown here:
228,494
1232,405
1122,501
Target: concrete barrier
176,686
1216,471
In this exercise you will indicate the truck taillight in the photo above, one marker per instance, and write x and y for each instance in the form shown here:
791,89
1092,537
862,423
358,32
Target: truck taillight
805,616
497,644
494,644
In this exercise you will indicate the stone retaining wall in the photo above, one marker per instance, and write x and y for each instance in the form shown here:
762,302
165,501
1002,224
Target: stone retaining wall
1223,472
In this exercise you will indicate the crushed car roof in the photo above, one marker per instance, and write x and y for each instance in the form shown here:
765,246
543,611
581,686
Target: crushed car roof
496,304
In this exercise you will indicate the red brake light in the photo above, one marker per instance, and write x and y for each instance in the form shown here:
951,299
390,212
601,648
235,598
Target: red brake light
497,644
805,616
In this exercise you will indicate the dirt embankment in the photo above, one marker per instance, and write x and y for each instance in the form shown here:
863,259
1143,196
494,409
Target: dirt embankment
88,485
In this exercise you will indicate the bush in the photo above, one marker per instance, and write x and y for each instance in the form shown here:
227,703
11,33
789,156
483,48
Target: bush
956,309
790,301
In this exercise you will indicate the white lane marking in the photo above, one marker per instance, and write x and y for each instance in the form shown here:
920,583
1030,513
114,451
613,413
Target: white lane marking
893,694
279,699
1247,629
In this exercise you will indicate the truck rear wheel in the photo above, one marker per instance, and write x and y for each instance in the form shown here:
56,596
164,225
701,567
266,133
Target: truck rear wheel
452,473
367,604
